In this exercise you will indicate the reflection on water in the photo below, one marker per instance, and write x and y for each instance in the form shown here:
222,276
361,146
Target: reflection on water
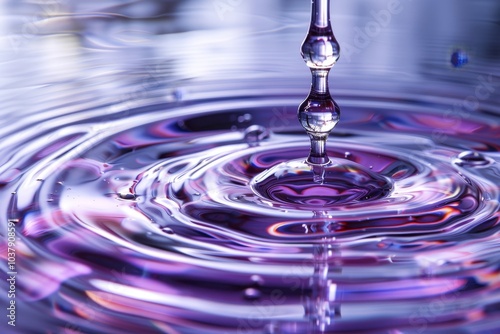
132,132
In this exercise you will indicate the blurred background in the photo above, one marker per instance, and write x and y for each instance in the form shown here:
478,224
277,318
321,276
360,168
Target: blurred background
115,44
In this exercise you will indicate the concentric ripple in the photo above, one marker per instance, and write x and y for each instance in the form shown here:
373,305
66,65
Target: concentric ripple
148,208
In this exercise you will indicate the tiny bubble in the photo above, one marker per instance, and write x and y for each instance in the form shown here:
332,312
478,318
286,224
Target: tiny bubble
254,134
245,118
126,195
179,94
257,280
348,155
168,230
459,58
252,294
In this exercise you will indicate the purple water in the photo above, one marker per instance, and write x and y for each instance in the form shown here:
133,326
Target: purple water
148,207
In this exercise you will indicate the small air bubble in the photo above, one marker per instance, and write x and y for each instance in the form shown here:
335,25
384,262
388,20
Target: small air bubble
348,155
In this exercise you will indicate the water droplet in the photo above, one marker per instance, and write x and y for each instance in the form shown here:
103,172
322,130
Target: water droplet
244,118
459,58
348,155
257,280
178,94
252,294
469,159
126,194
168,230
254,134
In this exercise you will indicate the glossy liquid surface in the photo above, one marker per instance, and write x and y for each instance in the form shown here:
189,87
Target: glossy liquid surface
132,188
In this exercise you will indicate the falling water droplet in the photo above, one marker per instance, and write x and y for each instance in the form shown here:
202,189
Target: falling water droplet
469,159
319,113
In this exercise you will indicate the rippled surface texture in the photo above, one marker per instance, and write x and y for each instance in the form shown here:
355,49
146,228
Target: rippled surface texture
136,137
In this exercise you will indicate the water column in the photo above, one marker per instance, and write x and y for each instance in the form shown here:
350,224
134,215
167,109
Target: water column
319,113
